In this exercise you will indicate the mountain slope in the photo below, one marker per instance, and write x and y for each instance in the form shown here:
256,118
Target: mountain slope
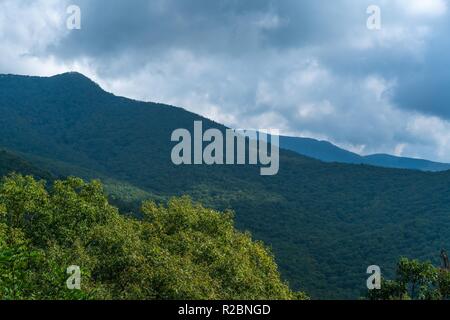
321,150
326,151
385,160
326,222
12,163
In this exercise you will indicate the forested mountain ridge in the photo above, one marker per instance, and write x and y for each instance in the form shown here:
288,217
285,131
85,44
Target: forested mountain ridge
326,151
326,222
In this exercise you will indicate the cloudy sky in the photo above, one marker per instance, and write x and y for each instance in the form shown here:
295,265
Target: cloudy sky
307,67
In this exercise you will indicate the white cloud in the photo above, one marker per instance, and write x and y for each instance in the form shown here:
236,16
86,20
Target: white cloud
424,7
27,28
434,133
399,149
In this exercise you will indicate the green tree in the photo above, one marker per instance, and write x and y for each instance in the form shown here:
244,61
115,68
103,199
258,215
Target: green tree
415,280
180,250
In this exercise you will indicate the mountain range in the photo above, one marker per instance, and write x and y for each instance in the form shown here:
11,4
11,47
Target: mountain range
328,152
325,221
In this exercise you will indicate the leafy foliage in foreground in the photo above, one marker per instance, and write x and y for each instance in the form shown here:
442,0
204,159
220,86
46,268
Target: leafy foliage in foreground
415,280
178,251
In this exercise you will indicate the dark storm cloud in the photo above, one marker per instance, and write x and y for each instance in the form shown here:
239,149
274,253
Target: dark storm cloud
426,86
145,27
214,27
143,30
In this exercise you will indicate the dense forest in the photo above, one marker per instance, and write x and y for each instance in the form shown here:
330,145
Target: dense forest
324,222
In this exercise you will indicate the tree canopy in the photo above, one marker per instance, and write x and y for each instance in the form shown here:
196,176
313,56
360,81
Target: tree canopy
178,250
415,280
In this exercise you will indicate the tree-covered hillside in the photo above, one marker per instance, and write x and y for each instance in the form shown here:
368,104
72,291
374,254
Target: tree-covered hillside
10,162
325,222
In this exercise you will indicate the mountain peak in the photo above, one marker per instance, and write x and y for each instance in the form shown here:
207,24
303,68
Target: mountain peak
77,80
67,75
73,76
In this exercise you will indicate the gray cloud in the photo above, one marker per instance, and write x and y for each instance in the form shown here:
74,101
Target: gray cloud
426,86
